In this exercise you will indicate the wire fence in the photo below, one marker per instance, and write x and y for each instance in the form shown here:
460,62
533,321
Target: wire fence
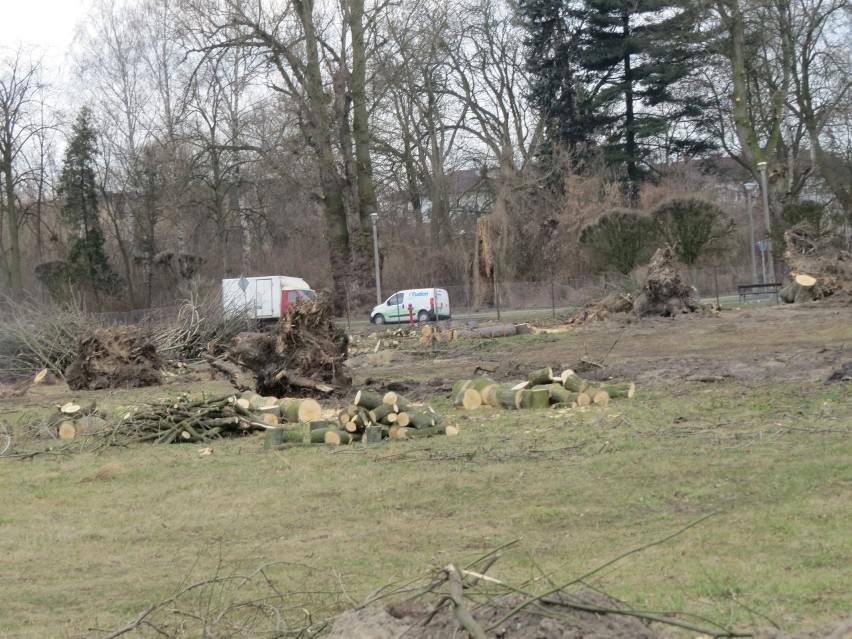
709,283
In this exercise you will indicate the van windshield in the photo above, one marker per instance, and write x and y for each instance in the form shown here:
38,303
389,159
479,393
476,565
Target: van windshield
308,294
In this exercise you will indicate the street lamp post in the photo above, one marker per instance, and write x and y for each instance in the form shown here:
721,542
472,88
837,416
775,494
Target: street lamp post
749,189
374,218
761,168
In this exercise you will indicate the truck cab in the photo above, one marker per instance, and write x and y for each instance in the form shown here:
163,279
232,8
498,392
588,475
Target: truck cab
292,296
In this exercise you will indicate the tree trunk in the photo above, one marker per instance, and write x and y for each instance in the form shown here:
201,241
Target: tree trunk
483,265
12,222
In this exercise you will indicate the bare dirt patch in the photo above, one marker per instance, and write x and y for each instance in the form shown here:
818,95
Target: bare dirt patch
758,345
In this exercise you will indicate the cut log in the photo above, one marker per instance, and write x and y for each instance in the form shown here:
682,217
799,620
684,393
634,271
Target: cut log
267,402
509,398
600,397
317,436
322,424
268,419
573,382
337,437
273,437
805,280
460,385
67,430
373,434
584,399
541,376
535,398
489,396
395,399
352,427
507,330
381,411
292,436
402,420
560,395
347,414
301,410
468,398
239,378
419,419
39,378
69,408
625,390
368,399
480,383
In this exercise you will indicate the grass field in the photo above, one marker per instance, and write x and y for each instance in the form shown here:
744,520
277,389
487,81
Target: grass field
92,535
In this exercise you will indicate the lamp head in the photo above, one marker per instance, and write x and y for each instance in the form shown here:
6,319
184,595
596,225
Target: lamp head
374,217
761,166
750,187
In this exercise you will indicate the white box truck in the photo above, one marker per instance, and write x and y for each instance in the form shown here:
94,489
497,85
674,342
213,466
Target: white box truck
266,297
416,304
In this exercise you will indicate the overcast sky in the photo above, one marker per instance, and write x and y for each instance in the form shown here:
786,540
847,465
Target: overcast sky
46,25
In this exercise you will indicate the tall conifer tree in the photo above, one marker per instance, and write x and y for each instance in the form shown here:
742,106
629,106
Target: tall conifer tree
616,72
79,195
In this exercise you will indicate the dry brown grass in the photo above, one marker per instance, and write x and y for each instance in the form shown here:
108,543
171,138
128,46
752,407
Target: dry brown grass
92,537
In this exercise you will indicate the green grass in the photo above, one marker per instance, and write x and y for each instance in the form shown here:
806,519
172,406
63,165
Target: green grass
92,538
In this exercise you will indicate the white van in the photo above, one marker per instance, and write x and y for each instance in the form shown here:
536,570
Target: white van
419,304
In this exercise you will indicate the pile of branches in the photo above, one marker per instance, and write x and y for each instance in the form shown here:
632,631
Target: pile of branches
120,357
819,269
663,292
193,421
200,328
302,354
33,337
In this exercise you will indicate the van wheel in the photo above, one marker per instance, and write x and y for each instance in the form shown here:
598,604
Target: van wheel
378,318
423,316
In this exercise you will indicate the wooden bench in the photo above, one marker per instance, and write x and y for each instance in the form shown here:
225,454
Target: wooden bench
769,288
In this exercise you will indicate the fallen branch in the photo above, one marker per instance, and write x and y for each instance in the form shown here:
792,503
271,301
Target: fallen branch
459,608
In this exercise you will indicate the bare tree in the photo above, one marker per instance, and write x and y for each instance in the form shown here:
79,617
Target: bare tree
316,59
20,108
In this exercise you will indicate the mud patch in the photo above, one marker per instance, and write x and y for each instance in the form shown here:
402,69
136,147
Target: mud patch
555,618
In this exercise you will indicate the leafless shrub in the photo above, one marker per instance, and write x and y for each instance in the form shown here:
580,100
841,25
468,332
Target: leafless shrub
35,336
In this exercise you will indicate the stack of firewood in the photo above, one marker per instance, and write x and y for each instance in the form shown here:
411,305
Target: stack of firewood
374,416
541,389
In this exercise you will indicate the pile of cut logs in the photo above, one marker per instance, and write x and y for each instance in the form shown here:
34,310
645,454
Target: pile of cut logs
435,333
202,420
72,420
542,389
375,416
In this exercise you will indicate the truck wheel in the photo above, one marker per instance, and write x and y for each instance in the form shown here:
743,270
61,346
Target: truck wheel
378,318
423,316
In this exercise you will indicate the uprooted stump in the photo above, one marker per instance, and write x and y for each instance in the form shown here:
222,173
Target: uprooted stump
121,357
819,269
663,292
302,354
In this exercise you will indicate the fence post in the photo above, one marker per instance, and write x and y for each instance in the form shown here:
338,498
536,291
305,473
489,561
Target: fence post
497,297
552,298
